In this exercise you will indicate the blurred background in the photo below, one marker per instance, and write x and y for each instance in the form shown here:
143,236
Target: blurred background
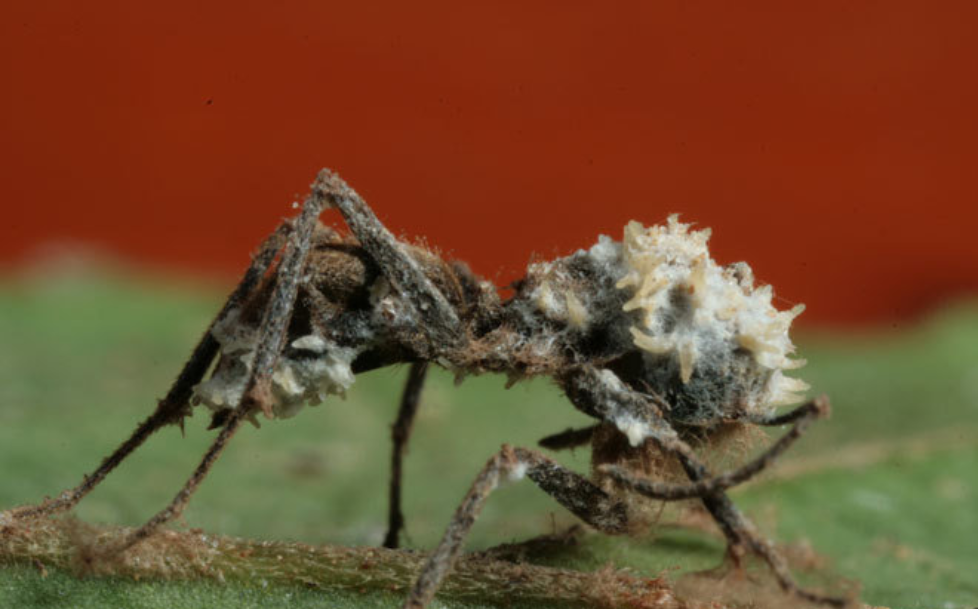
146,149
832,145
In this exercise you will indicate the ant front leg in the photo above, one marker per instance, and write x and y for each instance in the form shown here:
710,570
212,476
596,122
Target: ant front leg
172,408
601,393
257,388
573,491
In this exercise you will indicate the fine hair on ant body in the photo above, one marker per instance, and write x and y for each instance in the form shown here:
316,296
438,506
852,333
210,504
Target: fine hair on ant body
649,336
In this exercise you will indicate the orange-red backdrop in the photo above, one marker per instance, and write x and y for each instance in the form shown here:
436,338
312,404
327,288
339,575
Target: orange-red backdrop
831,144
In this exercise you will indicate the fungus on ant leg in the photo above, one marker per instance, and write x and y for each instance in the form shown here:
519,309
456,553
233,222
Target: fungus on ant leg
649,336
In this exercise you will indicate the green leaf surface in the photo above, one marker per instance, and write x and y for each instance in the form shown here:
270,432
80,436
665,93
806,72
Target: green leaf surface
885,493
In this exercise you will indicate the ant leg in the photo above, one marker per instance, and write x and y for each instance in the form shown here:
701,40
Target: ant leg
257,392
803,416
742,535
438,318
775,420
179,502
740,532
573,491
567,439
602,394
173,407
400,433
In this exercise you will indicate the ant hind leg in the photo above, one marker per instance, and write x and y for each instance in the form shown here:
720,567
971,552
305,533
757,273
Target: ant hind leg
742,536
803,416
602,394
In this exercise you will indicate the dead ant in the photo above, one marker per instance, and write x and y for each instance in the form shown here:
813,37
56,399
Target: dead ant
649,336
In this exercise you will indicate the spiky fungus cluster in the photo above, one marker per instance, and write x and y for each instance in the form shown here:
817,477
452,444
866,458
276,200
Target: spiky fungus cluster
705,325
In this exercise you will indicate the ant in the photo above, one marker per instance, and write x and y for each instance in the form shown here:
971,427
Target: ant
649,336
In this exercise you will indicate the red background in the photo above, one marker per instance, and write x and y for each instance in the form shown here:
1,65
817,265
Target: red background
831,144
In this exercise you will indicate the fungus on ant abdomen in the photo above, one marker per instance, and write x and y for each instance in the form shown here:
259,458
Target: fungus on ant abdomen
649,336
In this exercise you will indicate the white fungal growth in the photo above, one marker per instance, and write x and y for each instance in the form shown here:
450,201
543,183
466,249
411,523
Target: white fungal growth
636,426
691,308
547,302
295,381
310,342
606,251
636,431
516,472
556,300
577,313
